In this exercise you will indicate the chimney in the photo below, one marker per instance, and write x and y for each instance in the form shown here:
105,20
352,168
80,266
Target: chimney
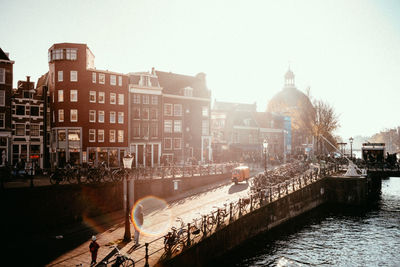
28,79
153,71
7,54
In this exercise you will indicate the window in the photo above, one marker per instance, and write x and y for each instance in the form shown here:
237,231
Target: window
101,116
19,129
34,130
178,110
113,99
112,136
60,115
60,76
144,81
113,80
177,143
2,120
93,78
167,143
120,99
92,115
136,99
204,127
34,111
92,97
74,95
153,114
136,113
168,126
120,136
136,129
100,135
154,99
145,114
120,80
102,97
102,78
178,126
61,135
188,91
146,99
27,94
2,98
120,117
74,76
92,135
145,130
57,54
74,115
60,95
112,116
168,109
2,75
204,111
71,53
154,129
20,110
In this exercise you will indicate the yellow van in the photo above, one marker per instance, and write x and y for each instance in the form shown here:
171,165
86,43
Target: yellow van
240,174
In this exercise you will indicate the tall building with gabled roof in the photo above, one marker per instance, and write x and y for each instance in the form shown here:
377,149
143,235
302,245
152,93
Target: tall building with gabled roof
6,84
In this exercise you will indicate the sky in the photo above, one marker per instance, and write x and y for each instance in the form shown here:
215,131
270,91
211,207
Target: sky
346,51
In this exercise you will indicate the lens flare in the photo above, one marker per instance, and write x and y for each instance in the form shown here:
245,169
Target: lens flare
157,216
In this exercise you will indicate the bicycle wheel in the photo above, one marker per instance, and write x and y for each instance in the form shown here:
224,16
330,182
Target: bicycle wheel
118,175
54,179
128,263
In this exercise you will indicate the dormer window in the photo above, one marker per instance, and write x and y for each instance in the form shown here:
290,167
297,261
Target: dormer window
188,91
144,81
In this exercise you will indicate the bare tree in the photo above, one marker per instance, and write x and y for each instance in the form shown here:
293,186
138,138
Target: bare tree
326,121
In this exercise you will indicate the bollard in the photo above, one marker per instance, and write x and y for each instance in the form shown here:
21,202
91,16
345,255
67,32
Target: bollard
188,235
270,194
230,212
205,225
218,218
293,185
251,202
240,207
147,255
279,191
287,188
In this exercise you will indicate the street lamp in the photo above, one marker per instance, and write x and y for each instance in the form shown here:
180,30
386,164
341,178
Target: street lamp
127,165
265,145
351,147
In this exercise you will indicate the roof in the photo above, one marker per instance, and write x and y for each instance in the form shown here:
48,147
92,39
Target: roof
3,55
173,83
227,106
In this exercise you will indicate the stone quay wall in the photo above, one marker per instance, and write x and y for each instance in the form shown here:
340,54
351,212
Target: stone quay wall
348,191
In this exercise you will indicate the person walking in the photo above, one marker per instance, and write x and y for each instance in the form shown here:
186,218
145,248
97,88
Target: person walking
94,247
138,217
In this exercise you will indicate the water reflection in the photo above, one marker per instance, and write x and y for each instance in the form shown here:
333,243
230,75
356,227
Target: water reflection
331,238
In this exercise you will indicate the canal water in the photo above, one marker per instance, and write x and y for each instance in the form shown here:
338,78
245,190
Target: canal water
327,237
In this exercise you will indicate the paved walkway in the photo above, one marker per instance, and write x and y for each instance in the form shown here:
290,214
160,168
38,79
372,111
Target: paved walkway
113,237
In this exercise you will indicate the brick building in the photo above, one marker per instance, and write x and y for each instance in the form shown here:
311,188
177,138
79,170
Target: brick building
28,124
145,120
6,83
186,118
89,110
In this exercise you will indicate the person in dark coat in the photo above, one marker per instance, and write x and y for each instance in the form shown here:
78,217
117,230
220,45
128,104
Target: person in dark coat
94,247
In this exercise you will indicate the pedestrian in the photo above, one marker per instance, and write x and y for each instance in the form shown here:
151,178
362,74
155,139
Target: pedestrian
94,247
138,217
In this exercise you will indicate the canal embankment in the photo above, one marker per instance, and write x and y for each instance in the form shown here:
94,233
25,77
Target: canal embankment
291,203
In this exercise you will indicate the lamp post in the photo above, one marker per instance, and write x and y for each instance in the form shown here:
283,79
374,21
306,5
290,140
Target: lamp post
127,165
351,147
265,145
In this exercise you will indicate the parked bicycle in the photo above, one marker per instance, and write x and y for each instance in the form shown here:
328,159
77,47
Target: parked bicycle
119,260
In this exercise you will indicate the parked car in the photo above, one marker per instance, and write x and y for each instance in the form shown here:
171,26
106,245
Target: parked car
240,174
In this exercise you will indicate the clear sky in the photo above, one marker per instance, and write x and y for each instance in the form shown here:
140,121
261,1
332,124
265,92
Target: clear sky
347,51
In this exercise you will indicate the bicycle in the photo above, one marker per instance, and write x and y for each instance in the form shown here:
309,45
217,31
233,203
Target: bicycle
120,260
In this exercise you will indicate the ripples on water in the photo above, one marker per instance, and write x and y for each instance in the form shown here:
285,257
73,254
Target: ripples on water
325,238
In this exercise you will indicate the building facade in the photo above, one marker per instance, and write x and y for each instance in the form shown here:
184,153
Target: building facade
28,115
186,135
145,118
89,110
6,83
